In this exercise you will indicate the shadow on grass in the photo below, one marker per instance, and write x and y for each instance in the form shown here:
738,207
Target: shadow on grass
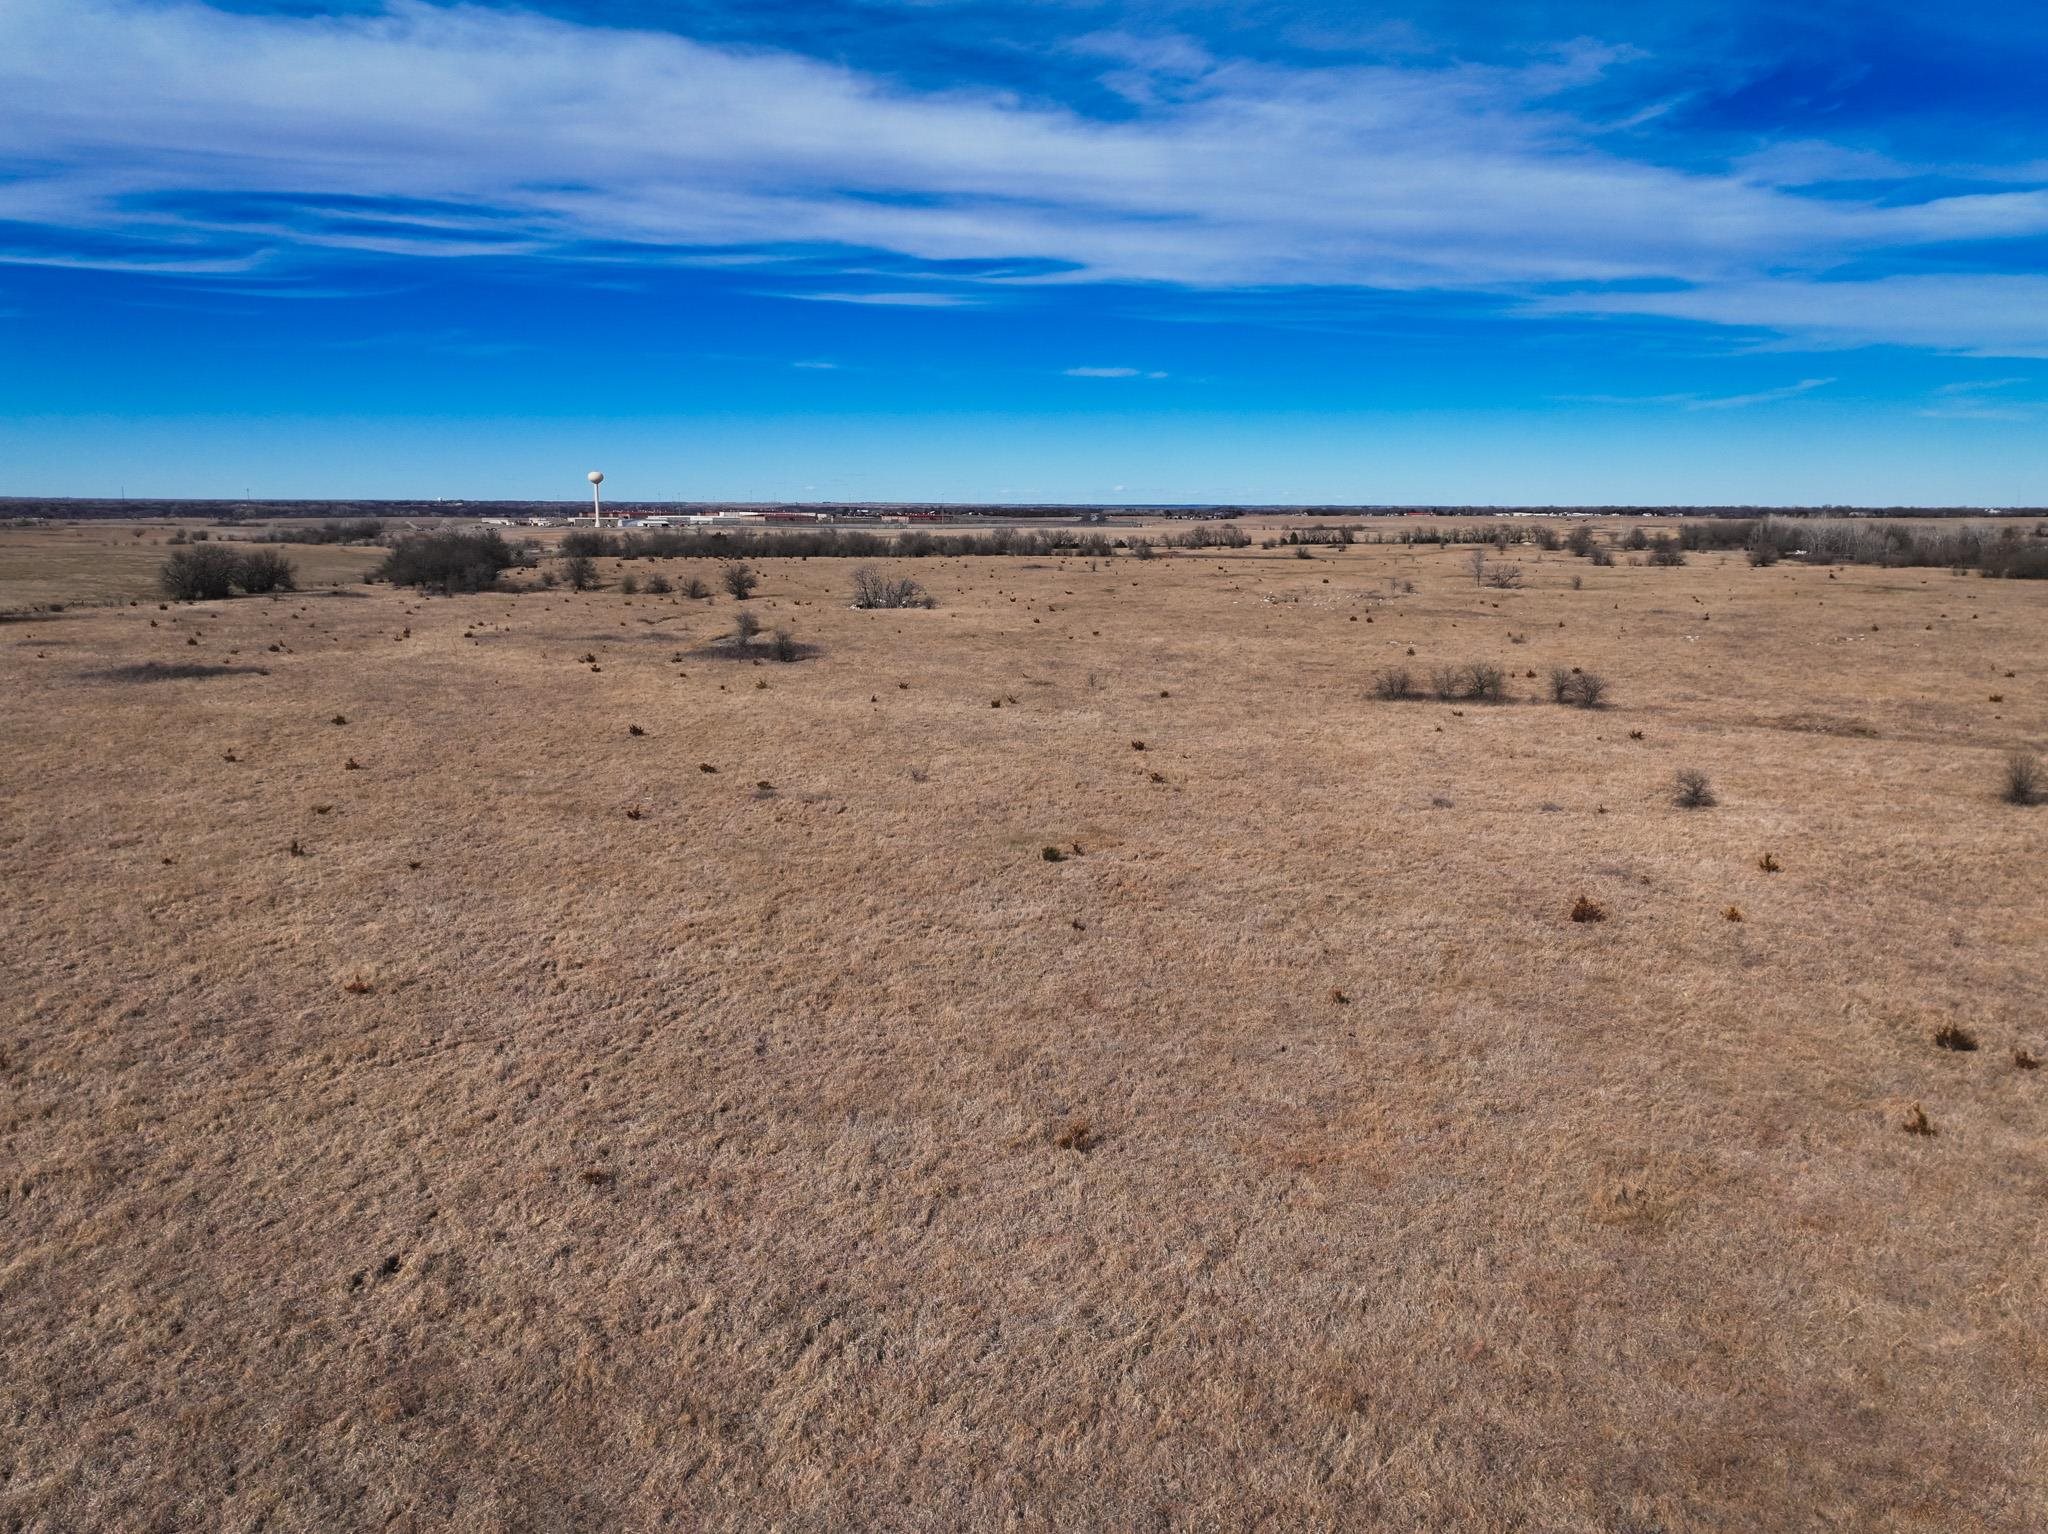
183,671
763,649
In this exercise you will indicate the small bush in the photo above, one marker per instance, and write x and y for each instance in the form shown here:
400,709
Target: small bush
1504,577
1666,551
744,628
2025,780
1762,555
580,571
1473,682
266,570
1393,685
447,562
1587,910
659,586
783,646
1956,1037
739,580
212,571
204,574
1601,557
1693,791
630,585
1577,688
695,588
872,589
1485,682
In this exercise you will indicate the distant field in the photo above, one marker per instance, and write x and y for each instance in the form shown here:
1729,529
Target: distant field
1068,1059
99,562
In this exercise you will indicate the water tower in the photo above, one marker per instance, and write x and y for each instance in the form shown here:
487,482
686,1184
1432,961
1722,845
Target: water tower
596,478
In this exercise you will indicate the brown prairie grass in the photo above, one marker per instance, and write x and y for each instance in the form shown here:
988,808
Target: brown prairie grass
713,1178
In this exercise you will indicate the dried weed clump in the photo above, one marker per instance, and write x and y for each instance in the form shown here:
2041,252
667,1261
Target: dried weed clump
1587,909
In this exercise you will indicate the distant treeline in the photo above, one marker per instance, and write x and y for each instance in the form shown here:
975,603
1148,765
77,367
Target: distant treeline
230,512
351,530
2015,549
859,543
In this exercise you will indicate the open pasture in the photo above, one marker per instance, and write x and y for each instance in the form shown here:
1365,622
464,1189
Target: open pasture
1070,1058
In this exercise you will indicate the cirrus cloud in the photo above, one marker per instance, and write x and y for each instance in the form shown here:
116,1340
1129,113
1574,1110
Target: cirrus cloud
216,142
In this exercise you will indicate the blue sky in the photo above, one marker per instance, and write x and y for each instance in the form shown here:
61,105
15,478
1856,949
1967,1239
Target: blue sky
969,249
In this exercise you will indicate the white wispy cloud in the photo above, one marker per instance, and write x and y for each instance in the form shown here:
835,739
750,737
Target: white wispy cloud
1985,314
1696,401
1982,399
179,137
910,300
1762,397
1102,372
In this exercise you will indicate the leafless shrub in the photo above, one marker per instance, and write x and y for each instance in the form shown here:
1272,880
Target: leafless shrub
2025,780
1956,1037
1393,685
739,580
1485,682
1576,687
1585,909
1473,682
1693,791
872,589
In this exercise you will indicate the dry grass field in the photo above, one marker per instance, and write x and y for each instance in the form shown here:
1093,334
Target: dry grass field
97,562
426,1103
